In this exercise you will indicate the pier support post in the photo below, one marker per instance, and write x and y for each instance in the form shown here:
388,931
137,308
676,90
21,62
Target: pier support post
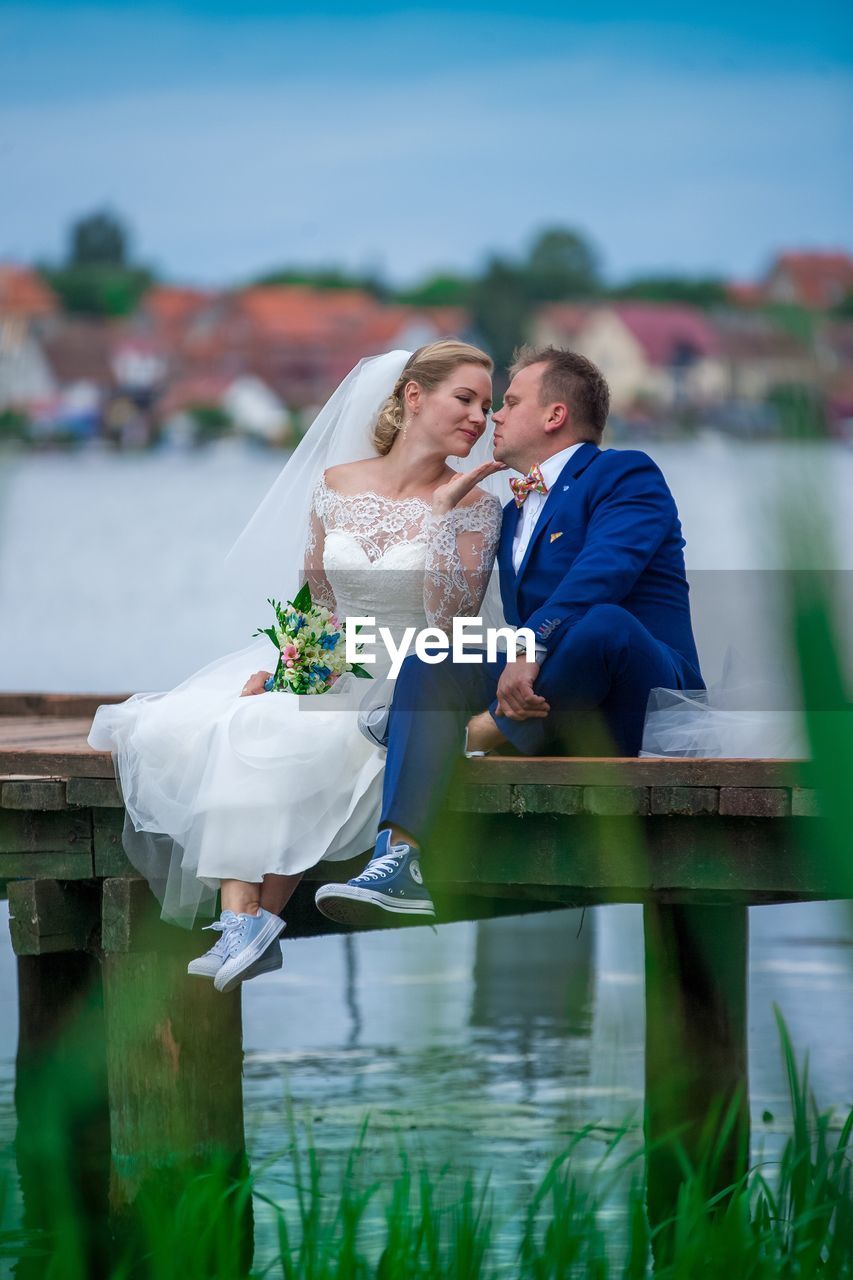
174,1058
696,1050
62,1145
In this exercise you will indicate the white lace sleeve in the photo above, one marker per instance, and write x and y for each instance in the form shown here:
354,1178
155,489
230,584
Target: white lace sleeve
461,550
313,571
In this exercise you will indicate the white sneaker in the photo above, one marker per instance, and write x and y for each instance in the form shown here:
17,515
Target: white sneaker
209,964
246,939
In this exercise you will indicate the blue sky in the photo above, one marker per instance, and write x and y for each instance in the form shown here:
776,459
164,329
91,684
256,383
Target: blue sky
237,139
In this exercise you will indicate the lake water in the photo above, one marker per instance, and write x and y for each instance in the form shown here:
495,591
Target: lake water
492,1041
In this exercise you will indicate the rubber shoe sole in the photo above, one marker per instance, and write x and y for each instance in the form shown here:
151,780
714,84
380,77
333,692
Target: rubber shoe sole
348,905
234,971
268,963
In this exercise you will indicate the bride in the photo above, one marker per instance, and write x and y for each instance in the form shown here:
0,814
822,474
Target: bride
229,788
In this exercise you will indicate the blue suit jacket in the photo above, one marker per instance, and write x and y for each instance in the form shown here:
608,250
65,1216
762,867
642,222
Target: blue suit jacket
608,533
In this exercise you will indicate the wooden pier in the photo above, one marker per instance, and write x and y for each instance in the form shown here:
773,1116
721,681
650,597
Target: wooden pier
695,841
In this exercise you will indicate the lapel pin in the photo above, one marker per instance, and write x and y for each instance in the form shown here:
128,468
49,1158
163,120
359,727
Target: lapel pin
555,536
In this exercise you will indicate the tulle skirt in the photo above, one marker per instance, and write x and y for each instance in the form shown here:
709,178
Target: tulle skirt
741,717
220,786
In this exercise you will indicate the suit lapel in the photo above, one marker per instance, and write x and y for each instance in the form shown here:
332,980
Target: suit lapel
509,525
577,463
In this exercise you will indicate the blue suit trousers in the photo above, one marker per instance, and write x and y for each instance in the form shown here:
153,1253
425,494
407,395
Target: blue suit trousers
598,676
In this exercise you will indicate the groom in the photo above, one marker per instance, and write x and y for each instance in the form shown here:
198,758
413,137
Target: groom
591,560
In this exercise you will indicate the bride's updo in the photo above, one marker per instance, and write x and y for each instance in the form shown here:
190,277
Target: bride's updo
428,367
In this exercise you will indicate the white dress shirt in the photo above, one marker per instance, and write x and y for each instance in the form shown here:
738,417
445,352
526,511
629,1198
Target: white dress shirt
531,511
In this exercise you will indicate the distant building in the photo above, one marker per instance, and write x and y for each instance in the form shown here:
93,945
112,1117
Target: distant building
26,306
760,355
24,296
299,341
654,354
818,281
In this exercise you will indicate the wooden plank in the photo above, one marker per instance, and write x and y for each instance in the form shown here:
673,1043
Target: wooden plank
755,802
47,916
31,831
56,745
609,800
630,771
33,793
29,730
684,801
110,857
530,798
74,761
622,859
805,803
63,864
480,797
97,793
56,705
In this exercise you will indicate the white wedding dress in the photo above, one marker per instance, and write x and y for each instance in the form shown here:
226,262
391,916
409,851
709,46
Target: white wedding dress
216,785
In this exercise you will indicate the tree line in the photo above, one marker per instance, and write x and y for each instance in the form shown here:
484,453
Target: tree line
99,276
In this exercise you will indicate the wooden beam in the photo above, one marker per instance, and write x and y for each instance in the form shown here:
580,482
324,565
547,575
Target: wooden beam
33,793
35,844
174,1057
696,1053
110,857
96,793
56,705
632,772
62,1144
31,831
47,916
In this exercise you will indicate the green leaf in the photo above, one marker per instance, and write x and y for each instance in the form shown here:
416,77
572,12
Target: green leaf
302,599
358,670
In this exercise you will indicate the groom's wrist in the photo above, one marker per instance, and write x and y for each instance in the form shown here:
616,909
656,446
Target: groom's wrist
540,652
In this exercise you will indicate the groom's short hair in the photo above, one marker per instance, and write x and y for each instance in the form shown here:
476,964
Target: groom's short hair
569,378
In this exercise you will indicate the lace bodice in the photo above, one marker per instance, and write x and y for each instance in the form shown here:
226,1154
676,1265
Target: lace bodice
434,568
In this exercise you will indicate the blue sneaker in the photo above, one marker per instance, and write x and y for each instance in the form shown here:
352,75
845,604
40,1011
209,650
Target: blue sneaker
209,964
246,941
391,881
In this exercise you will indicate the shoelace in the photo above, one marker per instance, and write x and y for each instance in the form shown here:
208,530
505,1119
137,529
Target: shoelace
232,935
386,865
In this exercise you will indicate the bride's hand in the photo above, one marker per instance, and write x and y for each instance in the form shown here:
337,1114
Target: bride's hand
255,683
447,495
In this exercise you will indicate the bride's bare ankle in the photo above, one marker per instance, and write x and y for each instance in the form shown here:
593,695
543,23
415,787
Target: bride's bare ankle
276,891
240,897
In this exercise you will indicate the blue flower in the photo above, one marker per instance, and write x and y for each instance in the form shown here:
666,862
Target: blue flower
329,642
321,672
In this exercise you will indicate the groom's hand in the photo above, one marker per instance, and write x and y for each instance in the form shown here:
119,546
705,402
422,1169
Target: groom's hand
516,699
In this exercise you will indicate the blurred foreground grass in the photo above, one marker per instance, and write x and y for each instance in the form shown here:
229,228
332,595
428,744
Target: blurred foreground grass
792,1218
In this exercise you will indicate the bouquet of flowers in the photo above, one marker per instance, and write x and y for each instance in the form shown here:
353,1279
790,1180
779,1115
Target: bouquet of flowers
311,643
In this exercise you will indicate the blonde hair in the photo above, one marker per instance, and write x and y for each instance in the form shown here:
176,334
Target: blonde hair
428,367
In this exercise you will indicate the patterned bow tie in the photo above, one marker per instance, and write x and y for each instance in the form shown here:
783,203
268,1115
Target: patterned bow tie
532,483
